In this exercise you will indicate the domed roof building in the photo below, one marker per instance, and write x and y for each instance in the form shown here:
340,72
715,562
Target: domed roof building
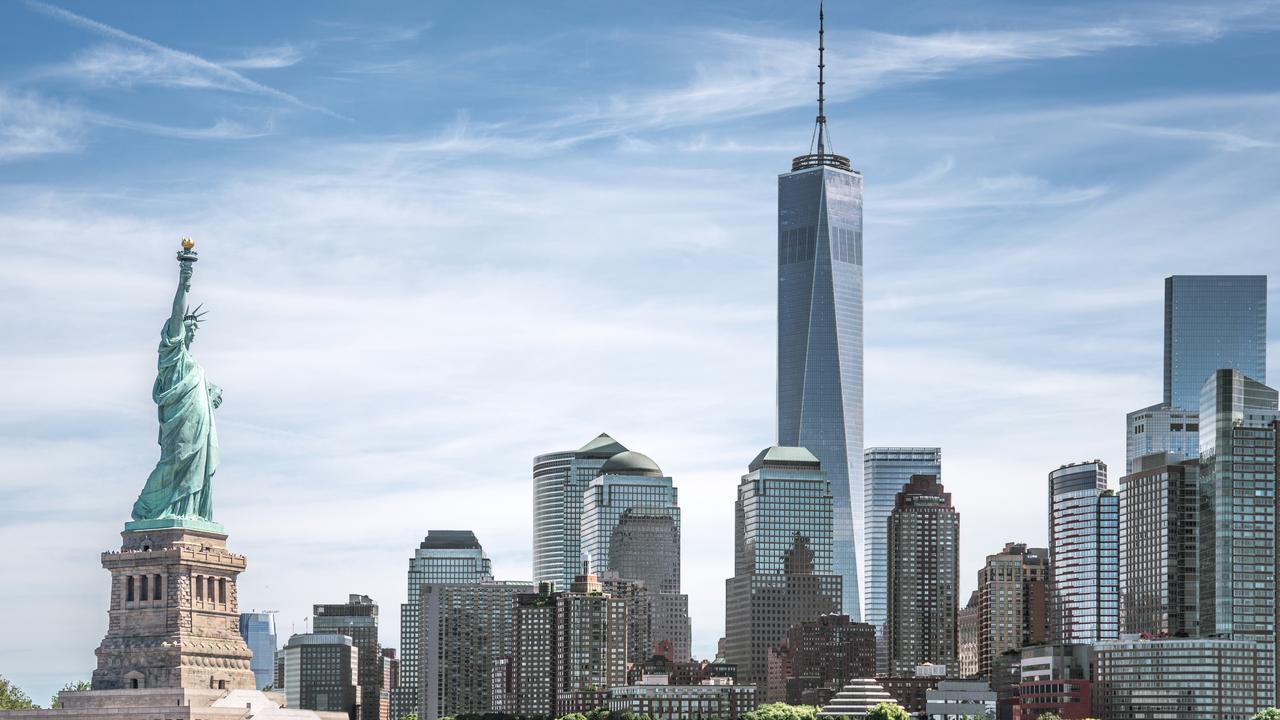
630,462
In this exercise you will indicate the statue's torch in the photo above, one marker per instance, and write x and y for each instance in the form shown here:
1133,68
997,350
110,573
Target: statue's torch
187,254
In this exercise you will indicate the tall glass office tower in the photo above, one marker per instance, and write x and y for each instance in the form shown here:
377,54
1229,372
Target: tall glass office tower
622,513
1084,552
1212,322
886,471
259,633
444,556
559,481
820,331
1238,512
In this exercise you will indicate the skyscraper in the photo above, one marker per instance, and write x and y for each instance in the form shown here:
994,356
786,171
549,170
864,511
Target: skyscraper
1238,512
924,577
782,557
1084,554
259,633
358,619
1212,322
559,480
886,470
1159,555
820,330
1013,597
465,628
444,556
646,548
631,526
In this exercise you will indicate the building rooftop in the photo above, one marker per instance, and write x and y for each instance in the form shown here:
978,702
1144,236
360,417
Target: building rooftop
450,540
782,455
602,447
631,463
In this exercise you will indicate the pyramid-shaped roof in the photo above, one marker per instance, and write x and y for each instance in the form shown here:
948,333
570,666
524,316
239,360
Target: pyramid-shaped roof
602,447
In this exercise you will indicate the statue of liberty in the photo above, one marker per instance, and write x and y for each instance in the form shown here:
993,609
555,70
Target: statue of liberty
178,490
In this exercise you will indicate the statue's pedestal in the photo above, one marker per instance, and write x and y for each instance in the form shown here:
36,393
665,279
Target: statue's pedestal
174,620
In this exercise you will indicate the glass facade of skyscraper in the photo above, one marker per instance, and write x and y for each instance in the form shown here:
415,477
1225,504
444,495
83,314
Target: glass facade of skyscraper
1159,554
622,531
259,633
1084,551
1161,429
782,557
820,358
444,556
886,471
1238,511
559,480
1212,322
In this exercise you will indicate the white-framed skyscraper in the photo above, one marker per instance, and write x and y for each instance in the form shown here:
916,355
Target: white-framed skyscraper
1084,554
820,369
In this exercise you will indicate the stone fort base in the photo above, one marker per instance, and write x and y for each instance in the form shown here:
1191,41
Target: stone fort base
170,704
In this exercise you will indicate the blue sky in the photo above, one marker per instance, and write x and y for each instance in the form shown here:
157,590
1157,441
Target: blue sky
438,241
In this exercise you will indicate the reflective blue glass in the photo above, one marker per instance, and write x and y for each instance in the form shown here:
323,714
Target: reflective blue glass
259,633
820,343
1212,322
886,470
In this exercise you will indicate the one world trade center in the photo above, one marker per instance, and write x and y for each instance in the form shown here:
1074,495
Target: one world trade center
820,330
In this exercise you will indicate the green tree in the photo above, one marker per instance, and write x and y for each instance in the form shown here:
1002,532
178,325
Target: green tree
1050,716
77,686
12,697
887,711
782,711
1268,714
414,716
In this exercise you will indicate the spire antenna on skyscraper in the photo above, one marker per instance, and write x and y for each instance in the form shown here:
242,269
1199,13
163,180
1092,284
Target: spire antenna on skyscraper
821,141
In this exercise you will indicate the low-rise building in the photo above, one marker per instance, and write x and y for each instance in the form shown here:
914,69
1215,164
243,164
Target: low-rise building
1055,679
960,700
683,702
321,672
1181,679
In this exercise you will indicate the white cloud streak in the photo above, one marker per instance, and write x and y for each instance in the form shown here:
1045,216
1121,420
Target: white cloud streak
31,126
149,62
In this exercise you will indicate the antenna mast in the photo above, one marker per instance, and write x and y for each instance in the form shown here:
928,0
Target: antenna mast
822,66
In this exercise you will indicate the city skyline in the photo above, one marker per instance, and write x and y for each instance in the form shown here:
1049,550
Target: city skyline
409,447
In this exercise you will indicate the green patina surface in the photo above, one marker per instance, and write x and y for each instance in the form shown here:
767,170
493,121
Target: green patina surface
178,493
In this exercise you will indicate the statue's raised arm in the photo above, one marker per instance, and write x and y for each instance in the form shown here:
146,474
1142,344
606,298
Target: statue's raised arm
178,491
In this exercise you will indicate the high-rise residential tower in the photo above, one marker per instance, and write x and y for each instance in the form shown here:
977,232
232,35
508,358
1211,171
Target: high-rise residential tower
1159,547
1238,512
1084,555
444,556
782,557
924,577
1013,602
559,480
631,526
820,330
1211,322
465,628
358,619
886,471
259,632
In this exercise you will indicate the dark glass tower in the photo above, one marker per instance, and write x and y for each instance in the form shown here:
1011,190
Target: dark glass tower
820,330
1212,322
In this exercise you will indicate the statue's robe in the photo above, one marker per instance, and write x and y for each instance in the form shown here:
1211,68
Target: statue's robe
179,485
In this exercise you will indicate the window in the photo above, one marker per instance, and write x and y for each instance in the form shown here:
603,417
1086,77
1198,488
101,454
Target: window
133,681
128,593
199,588
211,589
222,590
155,593
142,595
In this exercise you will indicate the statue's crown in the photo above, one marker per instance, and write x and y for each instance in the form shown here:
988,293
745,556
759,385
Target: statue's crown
195,315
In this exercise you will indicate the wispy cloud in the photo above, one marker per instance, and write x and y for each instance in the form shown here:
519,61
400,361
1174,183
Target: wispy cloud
222,129
266,58
1227,140
149,62
31,125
